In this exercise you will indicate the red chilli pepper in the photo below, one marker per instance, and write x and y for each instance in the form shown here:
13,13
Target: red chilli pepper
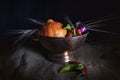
84,70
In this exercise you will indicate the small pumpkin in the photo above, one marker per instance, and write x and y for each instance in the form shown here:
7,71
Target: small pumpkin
53,29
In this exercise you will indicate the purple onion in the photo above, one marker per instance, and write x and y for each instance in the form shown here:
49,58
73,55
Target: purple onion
83,28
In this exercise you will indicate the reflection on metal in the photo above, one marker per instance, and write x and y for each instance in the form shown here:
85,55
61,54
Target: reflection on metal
66,56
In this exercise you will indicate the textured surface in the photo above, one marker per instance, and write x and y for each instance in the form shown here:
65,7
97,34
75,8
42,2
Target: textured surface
62,44
28,62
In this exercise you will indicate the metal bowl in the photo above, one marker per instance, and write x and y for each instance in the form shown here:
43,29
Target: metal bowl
58,45
56,48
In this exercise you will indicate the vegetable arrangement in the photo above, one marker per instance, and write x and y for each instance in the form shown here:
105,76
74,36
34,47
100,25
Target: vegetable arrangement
56,29
79,68
75,31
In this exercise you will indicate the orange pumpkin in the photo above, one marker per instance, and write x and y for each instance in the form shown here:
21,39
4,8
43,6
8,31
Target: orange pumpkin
53,29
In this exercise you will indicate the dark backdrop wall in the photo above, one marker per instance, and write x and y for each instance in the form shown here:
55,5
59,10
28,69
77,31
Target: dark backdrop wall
14,12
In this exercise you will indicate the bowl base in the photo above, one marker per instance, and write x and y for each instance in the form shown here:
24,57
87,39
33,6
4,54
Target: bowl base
60,57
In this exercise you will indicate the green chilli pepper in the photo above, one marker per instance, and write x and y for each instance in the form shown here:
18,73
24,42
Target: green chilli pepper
68,27
67,68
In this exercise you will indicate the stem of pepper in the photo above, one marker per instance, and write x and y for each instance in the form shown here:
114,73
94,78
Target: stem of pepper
69,21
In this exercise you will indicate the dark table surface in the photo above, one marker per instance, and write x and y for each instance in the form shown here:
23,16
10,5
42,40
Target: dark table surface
28,63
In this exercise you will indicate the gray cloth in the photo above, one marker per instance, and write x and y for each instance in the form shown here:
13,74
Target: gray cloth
29,63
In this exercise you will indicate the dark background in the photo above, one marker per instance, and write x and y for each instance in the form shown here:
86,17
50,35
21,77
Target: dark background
14,12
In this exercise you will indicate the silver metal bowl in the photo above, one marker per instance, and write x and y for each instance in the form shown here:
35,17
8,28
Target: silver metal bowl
56,47
54,44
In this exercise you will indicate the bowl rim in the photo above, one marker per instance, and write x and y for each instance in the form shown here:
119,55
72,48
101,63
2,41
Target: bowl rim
62,37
